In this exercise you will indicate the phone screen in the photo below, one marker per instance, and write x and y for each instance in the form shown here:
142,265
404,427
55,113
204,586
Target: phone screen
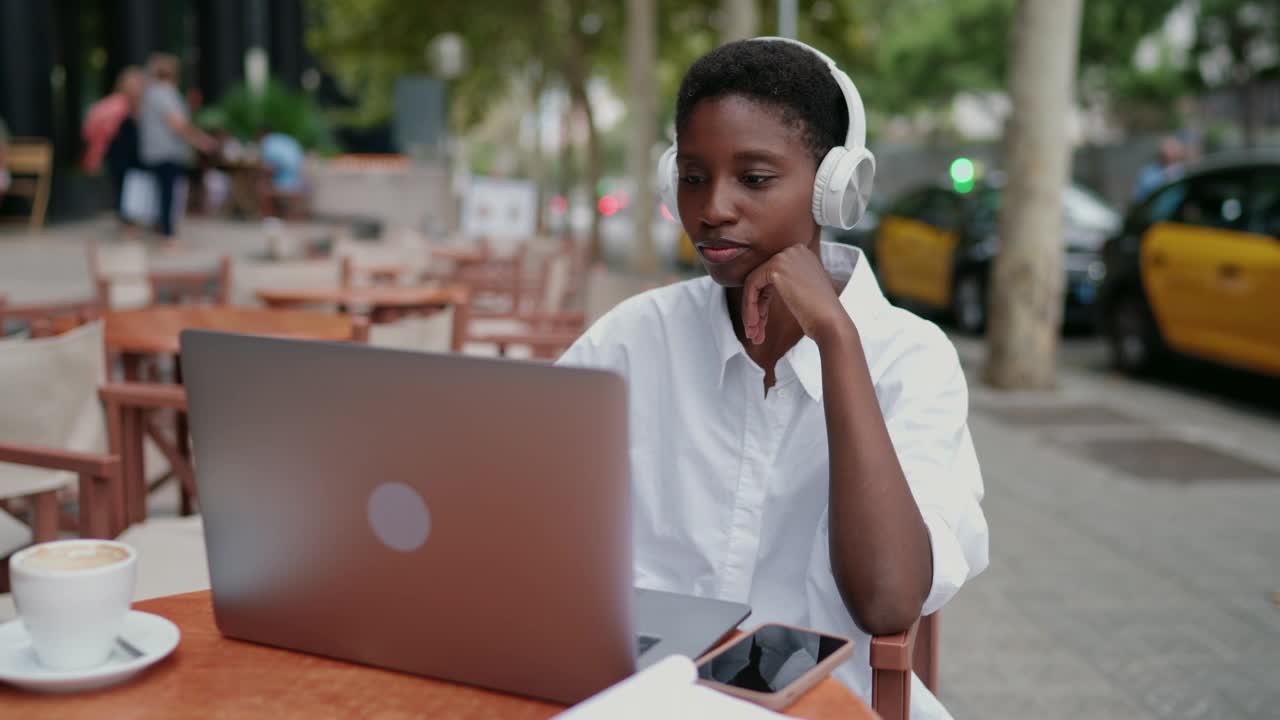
770,659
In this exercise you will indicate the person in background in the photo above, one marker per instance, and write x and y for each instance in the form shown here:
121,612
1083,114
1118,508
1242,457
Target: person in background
1167,168
4,158
166,134
110,132
284,157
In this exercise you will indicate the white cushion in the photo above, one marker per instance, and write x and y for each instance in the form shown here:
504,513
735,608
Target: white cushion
50,387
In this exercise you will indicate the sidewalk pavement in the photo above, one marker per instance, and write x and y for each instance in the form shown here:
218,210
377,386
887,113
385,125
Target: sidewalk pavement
1135,544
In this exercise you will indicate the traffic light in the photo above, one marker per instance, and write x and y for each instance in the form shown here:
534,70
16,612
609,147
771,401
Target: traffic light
963,174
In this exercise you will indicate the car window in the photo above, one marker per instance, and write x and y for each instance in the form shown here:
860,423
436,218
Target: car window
1217,201
985,213
1160,207
942,210
911,206
1266,203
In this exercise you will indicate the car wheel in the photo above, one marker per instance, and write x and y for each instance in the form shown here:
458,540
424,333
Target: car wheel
1133,337
969,304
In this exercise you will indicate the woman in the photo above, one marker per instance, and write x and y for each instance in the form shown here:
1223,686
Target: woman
797,443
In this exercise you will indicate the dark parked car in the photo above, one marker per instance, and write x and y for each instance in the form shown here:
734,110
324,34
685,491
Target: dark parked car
935,246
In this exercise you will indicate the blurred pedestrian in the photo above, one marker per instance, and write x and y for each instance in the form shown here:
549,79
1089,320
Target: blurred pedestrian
1167,168
110,131
166,134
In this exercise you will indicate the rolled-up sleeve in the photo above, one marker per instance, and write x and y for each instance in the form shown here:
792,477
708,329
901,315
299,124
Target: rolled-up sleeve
925,402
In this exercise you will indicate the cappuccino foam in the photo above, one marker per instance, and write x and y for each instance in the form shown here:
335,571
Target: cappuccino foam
74,557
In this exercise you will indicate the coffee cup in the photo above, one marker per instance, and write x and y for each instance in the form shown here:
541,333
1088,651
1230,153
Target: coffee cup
72,596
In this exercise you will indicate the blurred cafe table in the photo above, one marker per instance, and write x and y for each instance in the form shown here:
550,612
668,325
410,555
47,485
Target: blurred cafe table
383,303
209,676
156,330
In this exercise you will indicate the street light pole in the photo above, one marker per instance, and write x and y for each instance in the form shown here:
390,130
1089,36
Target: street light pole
787,18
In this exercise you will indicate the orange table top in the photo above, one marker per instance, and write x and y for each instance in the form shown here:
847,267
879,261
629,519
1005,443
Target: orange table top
210,676
156,329
377,296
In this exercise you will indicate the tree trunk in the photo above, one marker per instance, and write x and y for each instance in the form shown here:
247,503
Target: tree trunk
642,59
1027,282
576,78
739,20
538,161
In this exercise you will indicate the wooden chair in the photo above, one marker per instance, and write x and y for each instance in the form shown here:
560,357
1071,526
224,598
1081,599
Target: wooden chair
46,319
893,660
366,264
140,411
124,279
31,165
249,276
496,282
546,328
51,434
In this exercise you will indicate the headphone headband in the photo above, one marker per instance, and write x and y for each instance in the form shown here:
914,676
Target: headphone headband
857,133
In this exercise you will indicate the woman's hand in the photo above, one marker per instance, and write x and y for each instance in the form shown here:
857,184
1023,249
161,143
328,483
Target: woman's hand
796,278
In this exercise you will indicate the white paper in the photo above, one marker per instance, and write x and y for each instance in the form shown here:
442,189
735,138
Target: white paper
665,690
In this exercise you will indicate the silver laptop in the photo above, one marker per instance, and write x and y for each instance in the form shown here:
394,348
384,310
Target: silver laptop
461,518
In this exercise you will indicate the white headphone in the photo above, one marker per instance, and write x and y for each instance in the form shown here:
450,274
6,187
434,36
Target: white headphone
843,184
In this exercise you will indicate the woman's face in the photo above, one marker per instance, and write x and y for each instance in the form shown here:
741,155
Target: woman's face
745,187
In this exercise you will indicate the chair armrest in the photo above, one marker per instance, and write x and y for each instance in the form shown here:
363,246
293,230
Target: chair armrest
893,652
144,395
891,673
81,463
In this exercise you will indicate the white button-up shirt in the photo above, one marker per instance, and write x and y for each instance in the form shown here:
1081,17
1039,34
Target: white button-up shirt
730,483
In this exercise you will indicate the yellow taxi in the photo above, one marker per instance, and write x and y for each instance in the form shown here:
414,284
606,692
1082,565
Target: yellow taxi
1196,269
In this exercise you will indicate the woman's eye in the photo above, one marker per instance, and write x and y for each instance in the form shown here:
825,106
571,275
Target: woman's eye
691,179
756,179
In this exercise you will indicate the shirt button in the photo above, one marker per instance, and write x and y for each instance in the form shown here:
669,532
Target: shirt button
782,393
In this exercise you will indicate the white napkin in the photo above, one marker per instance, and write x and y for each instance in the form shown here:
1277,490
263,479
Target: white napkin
667,689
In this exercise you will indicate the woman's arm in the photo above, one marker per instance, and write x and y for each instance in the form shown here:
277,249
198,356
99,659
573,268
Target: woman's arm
879,544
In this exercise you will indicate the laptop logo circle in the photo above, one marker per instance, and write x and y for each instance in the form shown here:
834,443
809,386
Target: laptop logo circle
398,516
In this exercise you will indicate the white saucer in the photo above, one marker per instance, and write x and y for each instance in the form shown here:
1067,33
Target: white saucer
152,635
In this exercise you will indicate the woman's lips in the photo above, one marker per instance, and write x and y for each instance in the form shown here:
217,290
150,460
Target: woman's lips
719,251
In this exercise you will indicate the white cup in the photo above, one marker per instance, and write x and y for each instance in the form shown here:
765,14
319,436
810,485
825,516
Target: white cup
73,615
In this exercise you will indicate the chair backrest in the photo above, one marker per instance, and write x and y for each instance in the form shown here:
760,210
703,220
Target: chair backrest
249,276
50,390
429,333
30,156
366,260
120,274
555,283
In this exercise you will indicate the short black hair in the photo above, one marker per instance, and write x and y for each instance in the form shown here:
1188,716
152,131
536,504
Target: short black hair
783,76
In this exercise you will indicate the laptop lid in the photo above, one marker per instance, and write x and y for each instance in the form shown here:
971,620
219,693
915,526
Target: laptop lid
457,517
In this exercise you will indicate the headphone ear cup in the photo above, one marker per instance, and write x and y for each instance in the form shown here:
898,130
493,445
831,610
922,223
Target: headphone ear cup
667,181
842,187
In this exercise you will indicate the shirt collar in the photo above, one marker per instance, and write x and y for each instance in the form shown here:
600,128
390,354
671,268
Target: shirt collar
861,298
